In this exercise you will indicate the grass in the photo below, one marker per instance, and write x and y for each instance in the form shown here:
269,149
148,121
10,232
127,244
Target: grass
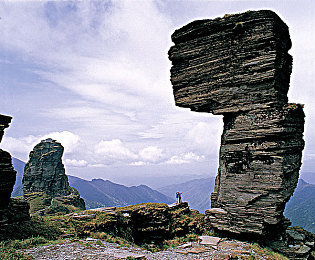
9,254
176,241
37,226
8,249
142,205
265,252
185,226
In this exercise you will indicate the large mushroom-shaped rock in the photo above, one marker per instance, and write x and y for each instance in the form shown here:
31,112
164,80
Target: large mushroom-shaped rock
238,66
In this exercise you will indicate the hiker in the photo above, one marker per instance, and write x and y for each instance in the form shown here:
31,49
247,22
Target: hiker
178,197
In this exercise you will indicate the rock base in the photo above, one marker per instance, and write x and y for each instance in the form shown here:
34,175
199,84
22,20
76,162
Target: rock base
17,211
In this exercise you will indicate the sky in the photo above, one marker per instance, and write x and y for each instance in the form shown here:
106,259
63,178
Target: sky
94,75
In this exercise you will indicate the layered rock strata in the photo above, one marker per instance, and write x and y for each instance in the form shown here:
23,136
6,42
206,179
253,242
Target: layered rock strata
45,184
7,173
11,210
238,66
146,223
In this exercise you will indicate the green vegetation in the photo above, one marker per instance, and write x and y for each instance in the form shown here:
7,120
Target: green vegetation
266,253
7,253
36,227
38,201
183,225
176,241
142,205
41,203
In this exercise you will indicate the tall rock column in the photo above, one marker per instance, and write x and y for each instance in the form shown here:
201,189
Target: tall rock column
45,172
45,184
238,66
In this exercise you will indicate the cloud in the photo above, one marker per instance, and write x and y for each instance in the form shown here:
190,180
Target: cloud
204,138
138,163
114,151
68,140
75,163
23,145
151,154
185,158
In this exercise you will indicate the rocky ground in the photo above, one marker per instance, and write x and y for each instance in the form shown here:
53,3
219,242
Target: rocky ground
97,249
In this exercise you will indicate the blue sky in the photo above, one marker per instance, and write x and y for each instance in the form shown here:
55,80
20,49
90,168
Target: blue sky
95,76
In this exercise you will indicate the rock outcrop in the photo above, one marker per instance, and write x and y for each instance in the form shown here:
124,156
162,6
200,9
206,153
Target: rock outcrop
11,210
45,184
6,169
238,66
145,223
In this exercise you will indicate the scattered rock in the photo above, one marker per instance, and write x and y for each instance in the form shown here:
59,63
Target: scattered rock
83,217
98,249
295,235
303,250
209,240
185,245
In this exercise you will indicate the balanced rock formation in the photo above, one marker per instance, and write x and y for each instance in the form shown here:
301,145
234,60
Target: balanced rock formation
238,66
45,184
11,210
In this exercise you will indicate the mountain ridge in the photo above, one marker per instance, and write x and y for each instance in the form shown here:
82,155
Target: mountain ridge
196,192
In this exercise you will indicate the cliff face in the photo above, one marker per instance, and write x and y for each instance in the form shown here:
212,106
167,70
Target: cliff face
7,173
11,210
44,172
238,66
45,184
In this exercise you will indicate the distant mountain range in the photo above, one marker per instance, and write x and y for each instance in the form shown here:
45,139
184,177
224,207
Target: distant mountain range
99,193
195,192
301,207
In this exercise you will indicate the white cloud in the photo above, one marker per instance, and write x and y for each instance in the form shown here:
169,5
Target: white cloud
75,163
185,158
204,137
68,140
138,163
151,154
97,165
24,145
114,151
19,145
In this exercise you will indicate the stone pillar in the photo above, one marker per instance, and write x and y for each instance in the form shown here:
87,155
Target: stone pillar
238,66
7,173
11,210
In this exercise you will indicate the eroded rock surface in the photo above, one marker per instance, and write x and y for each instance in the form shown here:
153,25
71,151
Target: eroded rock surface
11,210
7,173
238,66
45,184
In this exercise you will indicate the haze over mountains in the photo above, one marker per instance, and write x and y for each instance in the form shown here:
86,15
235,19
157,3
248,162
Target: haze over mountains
99,193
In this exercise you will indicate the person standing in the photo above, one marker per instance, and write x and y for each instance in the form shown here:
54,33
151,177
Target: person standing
178,197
